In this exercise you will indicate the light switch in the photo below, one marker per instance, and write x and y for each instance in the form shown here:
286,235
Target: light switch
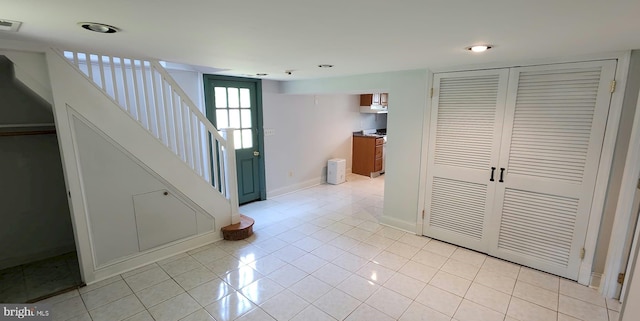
269,131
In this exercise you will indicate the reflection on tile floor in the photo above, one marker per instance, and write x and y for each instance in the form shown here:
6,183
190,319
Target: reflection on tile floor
320,254
27,282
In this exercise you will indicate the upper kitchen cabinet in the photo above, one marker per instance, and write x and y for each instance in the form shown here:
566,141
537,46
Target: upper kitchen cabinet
384,99
374,103
380,99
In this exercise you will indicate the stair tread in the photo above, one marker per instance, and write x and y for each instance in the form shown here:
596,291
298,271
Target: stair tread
245,222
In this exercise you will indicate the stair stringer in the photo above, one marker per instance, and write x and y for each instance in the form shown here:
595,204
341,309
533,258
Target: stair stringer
72,91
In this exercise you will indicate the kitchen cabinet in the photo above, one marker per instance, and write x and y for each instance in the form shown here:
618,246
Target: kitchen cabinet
384,98
367,155
379,99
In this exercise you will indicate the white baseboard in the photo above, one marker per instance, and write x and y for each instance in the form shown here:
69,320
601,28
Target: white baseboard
296,187
299,186
595,280
151,256
409,227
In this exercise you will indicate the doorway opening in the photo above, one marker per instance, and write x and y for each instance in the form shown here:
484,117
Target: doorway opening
38,258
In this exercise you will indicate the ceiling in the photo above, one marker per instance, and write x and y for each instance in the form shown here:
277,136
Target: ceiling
245,37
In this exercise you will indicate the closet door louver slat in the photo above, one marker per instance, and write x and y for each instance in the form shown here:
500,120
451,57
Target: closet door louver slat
464,104
564,129
458,206
536,224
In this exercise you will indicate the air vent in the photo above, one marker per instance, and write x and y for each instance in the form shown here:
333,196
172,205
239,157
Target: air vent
9,25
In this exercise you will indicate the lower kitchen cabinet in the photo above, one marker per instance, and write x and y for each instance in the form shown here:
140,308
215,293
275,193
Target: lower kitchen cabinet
367,155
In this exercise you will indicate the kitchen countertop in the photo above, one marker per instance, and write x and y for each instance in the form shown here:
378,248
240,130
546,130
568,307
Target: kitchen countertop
369,135
377,133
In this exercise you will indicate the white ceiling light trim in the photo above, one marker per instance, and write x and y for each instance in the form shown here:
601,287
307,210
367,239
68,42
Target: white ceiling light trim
98,27
479,48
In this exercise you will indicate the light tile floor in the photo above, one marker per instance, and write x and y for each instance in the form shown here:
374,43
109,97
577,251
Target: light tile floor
320,254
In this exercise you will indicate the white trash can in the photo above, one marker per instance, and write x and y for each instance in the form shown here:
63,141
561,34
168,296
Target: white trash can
336,171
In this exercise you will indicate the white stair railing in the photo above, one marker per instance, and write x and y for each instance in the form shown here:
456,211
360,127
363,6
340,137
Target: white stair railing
146,91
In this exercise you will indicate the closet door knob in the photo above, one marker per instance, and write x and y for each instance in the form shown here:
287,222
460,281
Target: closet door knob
501,174
493,169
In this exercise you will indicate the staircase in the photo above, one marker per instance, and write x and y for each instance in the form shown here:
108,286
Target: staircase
146,91
139,110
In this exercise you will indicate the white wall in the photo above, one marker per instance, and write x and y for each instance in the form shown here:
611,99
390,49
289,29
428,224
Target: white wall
36,222
309,130
407,103
619,157
191,83
31,71
20,104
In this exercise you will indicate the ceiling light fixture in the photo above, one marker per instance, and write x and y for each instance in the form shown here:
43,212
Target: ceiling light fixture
98,27
479,48
261,74
325,66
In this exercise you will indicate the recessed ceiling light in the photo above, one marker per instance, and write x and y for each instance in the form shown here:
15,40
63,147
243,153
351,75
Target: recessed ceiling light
479,48
325,66
98,27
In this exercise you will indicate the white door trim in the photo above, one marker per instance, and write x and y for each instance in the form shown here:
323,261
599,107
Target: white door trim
426,125
604,170
621,228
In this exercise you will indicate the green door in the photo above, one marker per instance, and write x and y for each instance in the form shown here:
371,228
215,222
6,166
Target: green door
233,102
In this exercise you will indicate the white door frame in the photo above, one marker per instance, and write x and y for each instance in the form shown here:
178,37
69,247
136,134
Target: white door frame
606,158
632,248
621,229
422,188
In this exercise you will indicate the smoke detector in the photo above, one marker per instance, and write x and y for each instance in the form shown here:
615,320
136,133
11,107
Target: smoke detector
9,25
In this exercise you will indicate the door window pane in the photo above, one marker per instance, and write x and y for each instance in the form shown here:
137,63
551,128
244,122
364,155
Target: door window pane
245,98
233,97
234,118
222,118
246,118
221,97
247,138
237,139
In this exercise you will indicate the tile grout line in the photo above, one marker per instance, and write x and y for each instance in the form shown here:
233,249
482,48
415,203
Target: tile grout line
333,215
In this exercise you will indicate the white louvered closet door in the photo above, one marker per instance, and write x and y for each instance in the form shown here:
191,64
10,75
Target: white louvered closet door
464,144
554,126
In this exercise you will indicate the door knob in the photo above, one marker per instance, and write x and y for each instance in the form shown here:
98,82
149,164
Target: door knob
256,153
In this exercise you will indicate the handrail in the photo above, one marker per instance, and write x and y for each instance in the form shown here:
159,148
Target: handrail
158,67
148,94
